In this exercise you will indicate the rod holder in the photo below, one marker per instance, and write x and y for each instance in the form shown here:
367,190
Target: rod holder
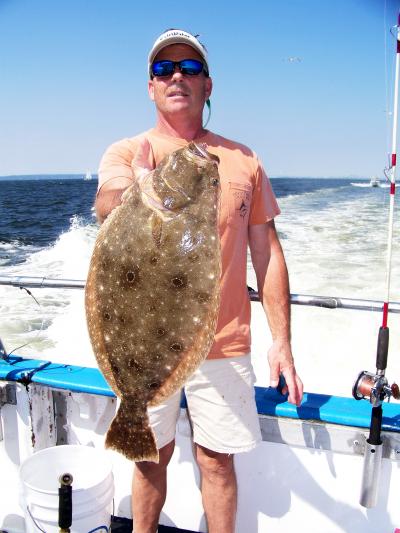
371,474
65,503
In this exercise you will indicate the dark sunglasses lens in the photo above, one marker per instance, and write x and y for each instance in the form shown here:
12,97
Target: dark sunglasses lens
191,67
162,68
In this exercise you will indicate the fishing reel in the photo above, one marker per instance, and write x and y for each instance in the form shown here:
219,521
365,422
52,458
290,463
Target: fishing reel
375,388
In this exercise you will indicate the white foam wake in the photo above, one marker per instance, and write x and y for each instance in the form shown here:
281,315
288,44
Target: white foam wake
53,322
332,248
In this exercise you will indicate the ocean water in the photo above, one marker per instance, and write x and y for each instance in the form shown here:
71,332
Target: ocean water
333,232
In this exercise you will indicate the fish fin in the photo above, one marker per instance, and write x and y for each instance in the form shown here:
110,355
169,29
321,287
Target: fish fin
184,369
131,434
94,325
191,360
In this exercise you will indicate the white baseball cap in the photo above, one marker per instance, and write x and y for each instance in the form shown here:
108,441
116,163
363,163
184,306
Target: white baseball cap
174,36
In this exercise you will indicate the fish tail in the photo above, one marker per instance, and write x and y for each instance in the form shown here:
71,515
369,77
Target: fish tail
130,433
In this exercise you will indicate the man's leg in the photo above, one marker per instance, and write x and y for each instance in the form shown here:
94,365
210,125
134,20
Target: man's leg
218,488
149,490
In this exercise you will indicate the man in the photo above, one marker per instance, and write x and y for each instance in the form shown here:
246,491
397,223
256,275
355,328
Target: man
220,394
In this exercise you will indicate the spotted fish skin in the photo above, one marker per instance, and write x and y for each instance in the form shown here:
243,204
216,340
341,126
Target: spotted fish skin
152,292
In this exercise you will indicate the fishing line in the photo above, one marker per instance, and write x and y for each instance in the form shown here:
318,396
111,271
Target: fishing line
374,386
387,95
391,118
38,332
392,180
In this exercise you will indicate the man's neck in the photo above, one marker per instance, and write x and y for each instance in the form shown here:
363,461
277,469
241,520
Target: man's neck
188,130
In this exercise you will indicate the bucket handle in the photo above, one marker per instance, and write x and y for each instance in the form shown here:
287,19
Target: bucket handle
34,521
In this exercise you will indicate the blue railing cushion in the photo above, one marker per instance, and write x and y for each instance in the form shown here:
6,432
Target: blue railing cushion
59,376
326,408
320,407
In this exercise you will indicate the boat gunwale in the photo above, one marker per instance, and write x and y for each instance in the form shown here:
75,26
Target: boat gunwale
270,402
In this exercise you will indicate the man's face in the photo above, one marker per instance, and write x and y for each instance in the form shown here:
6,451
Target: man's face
179,94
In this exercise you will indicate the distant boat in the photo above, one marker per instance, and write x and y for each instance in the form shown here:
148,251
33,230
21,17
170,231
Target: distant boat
88,176
373,182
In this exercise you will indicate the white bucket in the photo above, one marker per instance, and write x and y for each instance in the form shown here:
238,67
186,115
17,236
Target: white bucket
92,489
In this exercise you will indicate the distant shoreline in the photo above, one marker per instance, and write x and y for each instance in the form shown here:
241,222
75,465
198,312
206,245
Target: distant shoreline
39,177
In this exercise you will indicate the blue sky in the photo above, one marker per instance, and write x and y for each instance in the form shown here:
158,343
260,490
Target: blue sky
74,79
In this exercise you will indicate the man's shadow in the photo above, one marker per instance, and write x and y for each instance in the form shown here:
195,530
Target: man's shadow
273,480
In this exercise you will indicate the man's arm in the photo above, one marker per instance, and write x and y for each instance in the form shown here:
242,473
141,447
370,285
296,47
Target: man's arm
273,287
109,196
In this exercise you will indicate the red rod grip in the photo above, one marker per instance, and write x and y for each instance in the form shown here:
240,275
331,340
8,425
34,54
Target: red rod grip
385,314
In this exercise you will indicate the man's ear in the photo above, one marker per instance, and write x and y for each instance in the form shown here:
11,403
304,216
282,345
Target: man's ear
208,90
151,89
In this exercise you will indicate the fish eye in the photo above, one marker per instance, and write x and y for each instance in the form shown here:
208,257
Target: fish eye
214,182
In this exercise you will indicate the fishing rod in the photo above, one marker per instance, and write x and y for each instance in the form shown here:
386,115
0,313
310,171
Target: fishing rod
327,302
374,386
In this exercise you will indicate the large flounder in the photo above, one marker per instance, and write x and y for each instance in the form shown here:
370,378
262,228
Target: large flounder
152,292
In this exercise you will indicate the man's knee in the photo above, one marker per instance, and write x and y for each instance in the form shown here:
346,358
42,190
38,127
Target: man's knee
214,464
148,468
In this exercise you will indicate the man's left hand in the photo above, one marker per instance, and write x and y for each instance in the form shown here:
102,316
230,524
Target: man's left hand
281,362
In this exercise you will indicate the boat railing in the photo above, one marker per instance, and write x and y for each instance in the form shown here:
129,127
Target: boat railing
327,302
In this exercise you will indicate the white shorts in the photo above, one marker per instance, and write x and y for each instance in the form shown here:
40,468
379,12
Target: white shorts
221,405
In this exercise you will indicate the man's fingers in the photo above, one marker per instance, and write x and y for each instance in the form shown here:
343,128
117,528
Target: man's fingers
281,362
142,162
294,386
274,376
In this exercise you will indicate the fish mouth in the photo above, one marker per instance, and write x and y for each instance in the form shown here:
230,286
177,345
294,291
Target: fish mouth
200,149
152,200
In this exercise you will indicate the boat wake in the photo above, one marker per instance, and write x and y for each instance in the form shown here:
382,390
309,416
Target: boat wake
369,186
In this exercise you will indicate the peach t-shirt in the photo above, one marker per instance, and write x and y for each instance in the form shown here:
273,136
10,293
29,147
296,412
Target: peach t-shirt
246,198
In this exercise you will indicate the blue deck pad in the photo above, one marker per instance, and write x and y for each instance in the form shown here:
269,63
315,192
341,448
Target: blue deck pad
320,407
59,376
325,408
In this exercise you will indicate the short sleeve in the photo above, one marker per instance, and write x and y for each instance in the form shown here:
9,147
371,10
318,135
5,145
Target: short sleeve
264,206
116,161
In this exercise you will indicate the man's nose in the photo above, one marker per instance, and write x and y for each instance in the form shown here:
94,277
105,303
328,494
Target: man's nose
177,74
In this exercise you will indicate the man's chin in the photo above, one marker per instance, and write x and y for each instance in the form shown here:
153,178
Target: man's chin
174,101
178,105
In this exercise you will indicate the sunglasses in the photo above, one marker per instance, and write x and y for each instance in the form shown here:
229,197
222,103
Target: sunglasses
189,67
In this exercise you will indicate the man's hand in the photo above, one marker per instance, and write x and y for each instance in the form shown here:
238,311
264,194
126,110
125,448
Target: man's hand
142,163
281,362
